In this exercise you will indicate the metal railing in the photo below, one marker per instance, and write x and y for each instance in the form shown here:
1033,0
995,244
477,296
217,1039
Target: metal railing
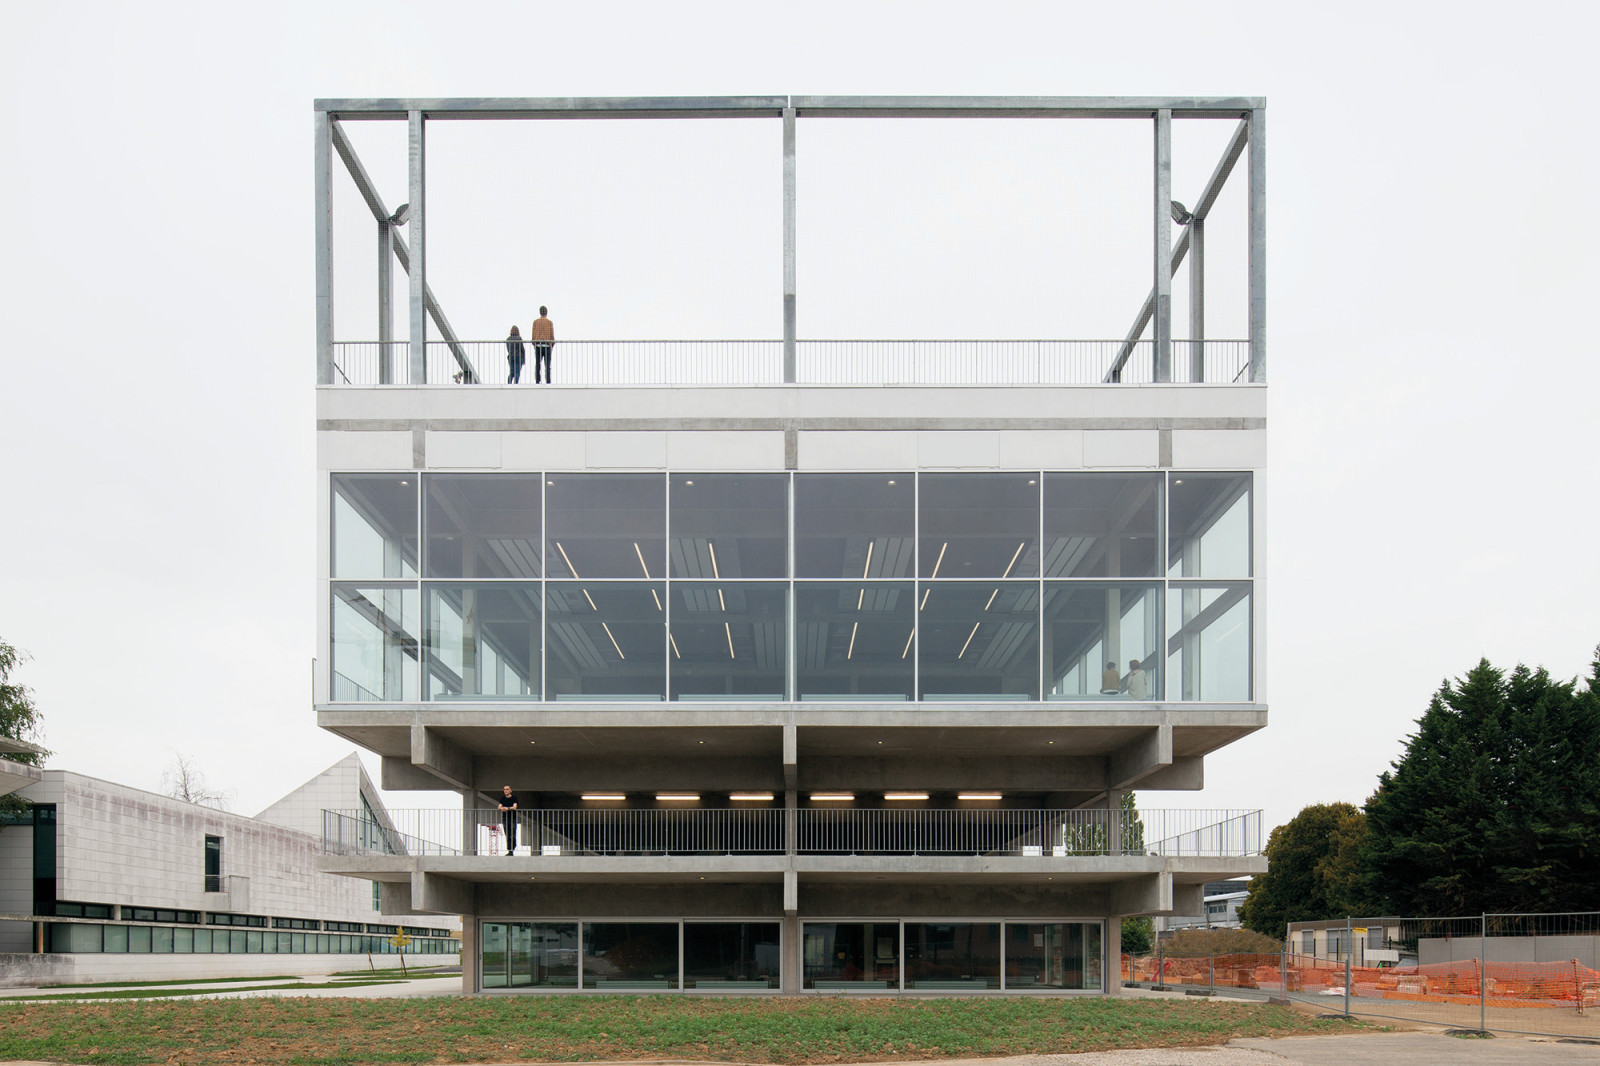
817,362
1055,833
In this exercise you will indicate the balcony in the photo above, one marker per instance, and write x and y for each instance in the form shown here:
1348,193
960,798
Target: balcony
613,836
677,363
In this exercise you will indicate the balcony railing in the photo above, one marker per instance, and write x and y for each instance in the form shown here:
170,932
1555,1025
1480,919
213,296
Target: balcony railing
822,362
816,831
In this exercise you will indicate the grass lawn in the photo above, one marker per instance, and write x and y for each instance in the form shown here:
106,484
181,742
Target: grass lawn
545,1028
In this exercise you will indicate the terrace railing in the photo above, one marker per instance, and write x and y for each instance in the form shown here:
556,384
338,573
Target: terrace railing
817,831
818,362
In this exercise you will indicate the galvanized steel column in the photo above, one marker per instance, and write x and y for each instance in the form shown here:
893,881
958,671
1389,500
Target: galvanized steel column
1258,245
419,257
1197,300
323,165
385,302
788,246
1162,307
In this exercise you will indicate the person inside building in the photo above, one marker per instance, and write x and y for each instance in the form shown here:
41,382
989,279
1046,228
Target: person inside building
1138,682
1110,680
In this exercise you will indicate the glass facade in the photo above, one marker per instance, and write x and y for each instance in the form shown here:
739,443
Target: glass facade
111,938
769,587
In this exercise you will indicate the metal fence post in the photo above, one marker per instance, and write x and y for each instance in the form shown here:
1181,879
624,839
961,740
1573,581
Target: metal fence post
1347,966
1483,972
1211,973
1161,965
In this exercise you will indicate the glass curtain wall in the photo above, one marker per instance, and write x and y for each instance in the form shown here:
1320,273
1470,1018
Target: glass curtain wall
767,587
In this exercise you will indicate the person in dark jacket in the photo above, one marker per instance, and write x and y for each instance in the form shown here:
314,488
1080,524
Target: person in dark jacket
516,355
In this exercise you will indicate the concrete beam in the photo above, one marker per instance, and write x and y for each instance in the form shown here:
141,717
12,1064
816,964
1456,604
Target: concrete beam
939,900
791,893
1188,899
394,897
1147,894
322,166
1258,245
788,246
633,773
433,894
791,757
1151,752
417,268
440,757
1187,774
399,775
1161,309
596,107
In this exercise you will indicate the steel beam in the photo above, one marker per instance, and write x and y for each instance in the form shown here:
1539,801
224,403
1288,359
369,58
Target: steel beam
1137,107
1197,299
1208,198
788,246
1258,244
385,301
322,155
416,168
1161,307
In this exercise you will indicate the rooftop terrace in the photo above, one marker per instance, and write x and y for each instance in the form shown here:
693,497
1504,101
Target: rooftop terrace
1147,353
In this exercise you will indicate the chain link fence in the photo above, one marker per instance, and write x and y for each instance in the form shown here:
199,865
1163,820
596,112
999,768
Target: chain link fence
1536,974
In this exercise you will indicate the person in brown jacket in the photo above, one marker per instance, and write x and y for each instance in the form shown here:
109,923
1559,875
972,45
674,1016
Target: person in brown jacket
543,335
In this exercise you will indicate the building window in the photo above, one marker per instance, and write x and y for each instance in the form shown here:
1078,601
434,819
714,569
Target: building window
851,955
44,858
213,864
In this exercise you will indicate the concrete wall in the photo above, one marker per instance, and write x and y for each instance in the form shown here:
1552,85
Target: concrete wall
16,885
1586,949
32,970
121,845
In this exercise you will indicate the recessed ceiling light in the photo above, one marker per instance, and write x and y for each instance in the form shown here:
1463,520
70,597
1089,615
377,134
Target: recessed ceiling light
832,797
751,796
612,797
1049,742
678,797
978,795
905,795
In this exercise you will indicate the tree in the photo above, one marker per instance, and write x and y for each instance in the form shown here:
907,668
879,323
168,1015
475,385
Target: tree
1495,804
19,720
1313,870
1138,935
186,781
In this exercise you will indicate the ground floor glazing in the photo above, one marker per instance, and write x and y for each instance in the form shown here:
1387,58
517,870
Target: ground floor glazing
711,955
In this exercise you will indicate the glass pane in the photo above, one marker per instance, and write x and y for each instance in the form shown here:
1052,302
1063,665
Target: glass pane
1053,955
955,956
729,639
862,955
630,955
182,941
730,955
854,639
493,955
1210,535
1102,525
854,525
979,525
375,643
1208,645
139,939
374,526
606,640
979,640
730,525
161,941
116,937
77,938
606,525
482,525
550,951
1102,641
483,640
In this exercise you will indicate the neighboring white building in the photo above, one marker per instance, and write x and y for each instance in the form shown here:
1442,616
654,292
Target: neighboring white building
102,881
812,665
1221,903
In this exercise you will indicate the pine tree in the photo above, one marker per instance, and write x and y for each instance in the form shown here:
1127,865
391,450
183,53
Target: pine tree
1495,804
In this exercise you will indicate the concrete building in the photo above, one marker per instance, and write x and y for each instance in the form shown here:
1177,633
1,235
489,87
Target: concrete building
100,881
811,666
1220,900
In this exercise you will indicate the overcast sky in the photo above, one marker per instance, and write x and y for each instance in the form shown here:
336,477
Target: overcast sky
1433,366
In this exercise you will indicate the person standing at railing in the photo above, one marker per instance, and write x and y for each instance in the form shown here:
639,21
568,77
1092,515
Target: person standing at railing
543,334
516,355
508,817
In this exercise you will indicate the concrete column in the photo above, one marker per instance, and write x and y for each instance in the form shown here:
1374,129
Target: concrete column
469,954
792,977
416,159
322,155
788,246
1161,309
1258,245
1111,965
1197,300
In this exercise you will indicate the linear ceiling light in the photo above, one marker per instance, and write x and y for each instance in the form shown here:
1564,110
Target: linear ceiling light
658,601
992,595
726,628
852,650
570,567
714,571
640,554
614,643
764,797
909,637
905,795
1013,561
936,562
977,795
676,654
592,604
964,647
678,797
604,797
832,797
868,565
